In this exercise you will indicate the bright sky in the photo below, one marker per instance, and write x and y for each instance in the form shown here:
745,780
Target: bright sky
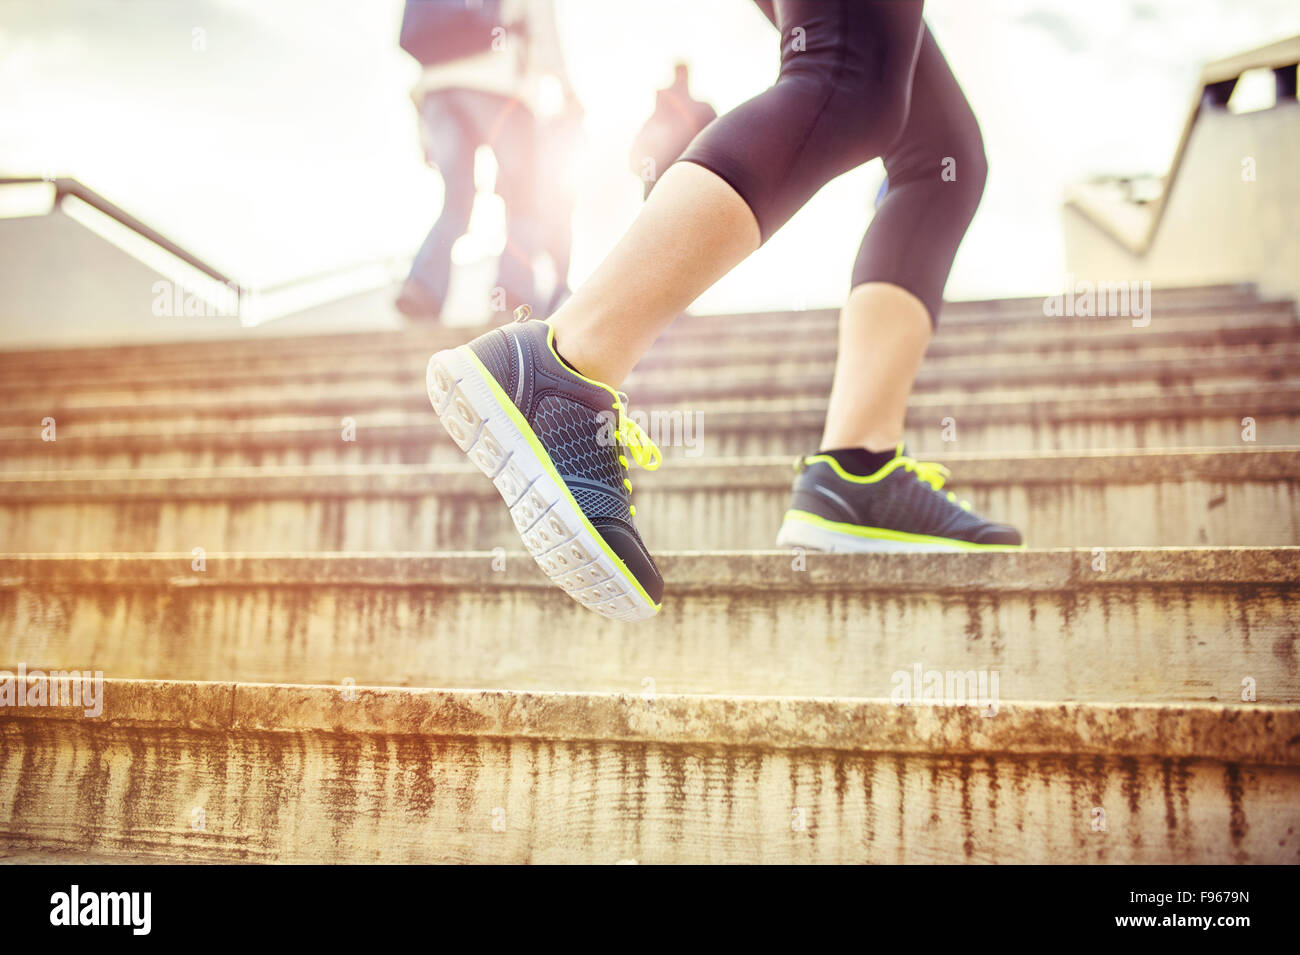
276,138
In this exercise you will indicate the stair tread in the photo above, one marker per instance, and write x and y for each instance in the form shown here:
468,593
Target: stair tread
1027,310
685,571
378,696
207,382
1281,396
1260,734
970,469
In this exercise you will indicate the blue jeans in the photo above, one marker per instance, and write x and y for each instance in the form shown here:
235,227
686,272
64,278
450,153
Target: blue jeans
459,121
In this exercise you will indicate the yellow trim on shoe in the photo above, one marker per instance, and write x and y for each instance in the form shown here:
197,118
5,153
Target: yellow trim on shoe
931,472
927,471
638,444
544,458
884,533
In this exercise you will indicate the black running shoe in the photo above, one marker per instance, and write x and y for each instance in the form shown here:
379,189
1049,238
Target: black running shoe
902,507
556,445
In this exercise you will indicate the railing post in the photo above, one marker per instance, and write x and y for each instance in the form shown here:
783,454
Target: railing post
1284,77
1218,94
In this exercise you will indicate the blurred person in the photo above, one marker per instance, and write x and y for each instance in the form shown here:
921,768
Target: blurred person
676,120
560,143
536,404
484,64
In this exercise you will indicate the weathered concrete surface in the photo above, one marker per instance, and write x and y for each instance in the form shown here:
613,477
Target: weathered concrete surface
196,385
1160,644
265,773
359,371
1249,328
982,317
1252,733
1017,571
1204,231
340,385
1154,625
1204,416
1180,369
1174,498
211,418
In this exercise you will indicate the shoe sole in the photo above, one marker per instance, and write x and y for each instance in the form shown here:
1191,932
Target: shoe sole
801,529
486,425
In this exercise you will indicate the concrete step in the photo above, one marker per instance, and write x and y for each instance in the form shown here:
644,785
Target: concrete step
1255,327
982,327
1209,415
116,383
1173,372
266,773
1119,624
379,389
958,317
1173,498
999,316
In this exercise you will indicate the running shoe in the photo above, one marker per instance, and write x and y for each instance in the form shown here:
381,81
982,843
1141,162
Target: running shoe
901,507
557,446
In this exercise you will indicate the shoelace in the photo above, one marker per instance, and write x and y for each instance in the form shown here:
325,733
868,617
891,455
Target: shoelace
636,442
932,473
631,435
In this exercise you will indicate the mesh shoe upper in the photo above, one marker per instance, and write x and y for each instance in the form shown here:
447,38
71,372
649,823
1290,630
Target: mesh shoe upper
575,420
899,501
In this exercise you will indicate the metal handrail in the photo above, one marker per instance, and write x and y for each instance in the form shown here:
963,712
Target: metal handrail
65,187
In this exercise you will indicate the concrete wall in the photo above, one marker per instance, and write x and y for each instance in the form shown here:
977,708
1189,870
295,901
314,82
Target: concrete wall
1215,227
63,284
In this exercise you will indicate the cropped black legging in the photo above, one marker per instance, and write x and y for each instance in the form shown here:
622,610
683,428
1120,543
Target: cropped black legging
859,80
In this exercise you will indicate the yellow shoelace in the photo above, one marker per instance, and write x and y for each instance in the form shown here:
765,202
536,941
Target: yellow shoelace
932,473
633,438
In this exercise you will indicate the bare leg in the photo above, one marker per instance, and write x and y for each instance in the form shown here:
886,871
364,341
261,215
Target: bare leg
693,230
884,331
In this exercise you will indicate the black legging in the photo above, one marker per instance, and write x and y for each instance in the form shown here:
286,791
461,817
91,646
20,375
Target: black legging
859,80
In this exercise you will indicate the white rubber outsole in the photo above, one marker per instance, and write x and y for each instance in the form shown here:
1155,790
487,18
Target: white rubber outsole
811,537
553,528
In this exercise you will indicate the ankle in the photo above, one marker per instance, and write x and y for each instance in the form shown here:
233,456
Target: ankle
569,348
876,442
860,461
